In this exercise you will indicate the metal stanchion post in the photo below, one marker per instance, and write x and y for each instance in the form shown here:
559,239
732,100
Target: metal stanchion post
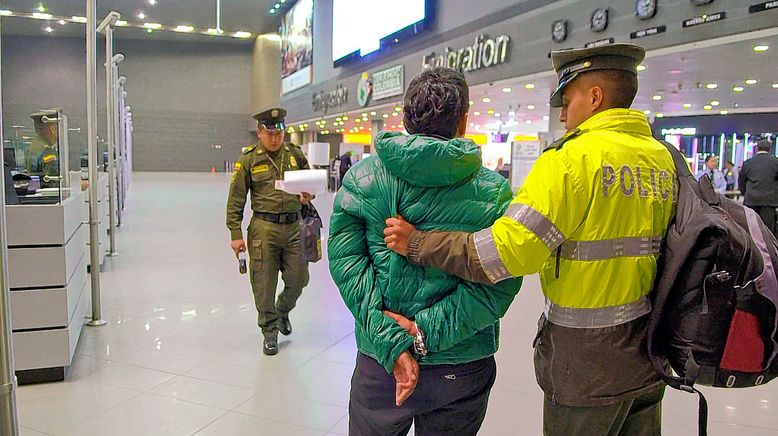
107,27
91,115
9,422
121,135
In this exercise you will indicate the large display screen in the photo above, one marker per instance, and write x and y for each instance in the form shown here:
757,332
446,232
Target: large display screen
362,27
297,47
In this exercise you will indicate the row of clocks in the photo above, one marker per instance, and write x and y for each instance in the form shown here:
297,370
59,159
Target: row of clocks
644,9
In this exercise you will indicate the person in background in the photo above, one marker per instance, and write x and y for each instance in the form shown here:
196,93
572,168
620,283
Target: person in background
714,174
436,178
274,243
759,184
345,164
730,174
589,218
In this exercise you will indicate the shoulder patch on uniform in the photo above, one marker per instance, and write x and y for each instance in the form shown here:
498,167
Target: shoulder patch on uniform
49,158
559,143
286,147
249,149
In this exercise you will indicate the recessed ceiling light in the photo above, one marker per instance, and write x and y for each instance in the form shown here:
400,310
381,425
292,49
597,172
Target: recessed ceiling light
687,105
707,107
62,22
141,15
385,116
364,114
660,115
507,89
152,2
242,34
49,29
545,117
398,109
41,16
184,29
121,23
476,113
272,11
394,114
497,115
715,103
641,68
738,89
751,82
723,112
512,113
215,31
528,121
712,85
490,111
471,102
357,120
486,100
647,111
761,48
529,86
345,118
152,26
656,97
531,107
372,113
5,12
775,85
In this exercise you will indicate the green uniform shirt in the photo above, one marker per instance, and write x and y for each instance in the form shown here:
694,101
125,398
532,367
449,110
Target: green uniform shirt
257,171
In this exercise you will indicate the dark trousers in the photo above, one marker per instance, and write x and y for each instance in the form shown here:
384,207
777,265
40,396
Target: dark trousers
448,400
639,417
767,213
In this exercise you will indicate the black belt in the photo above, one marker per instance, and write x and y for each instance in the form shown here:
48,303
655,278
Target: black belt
278,218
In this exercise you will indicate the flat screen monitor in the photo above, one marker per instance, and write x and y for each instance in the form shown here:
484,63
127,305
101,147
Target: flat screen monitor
364,27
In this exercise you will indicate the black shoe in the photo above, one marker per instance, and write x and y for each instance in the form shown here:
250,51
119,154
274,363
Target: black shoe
270,345
284,326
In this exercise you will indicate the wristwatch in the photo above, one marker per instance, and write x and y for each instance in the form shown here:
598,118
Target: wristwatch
419,347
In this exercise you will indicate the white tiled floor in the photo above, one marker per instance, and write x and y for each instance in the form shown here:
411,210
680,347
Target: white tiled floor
182,354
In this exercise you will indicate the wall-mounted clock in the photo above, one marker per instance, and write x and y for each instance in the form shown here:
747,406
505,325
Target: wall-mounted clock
599,20
645,9
559,30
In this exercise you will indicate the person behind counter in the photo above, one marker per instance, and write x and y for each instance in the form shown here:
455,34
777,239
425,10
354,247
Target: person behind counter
42,158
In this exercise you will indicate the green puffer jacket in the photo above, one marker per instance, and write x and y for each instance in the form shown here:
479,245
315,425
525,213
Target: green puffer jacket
436,185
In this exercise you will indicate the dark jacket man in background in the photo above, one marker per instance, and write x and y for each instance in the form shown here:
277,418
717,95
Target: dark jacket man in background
759,183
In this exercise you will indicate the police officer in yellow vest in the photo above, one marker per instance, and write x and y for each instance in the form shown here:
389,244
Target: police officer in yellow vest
274,233
589,219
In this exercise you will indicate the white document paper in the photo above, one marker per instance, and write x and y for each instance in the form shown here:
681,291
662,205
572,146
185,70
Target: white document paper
310,181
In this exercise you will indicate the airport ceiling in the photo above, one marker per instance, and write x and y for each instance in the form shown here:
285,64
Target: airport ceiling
236,15
708,78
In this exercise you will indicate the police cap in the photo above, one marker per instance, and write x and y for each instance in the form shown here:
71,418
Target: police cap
271,119
569,64
45,117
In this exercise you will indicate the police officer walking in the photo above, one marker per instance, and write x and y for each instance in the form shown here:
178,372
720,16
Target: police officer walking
590,219
274,233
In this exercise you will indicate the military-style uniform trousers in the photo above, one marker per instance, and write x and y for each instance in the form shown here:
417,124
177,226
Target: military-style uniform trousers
273,248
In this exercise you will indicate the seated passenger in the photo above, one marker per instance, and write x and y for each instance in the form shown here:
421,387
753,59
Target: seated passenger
434,178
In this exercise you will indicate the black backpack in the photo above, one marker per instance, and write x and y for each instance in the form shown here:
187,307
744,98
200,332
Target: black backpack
716,294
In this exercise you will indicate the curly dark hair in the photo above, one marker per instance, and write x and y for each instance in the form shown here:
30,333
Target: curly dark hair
435,101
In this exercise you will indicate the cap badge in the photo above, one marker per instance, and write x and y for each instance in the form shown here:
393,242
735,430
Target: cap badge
587,64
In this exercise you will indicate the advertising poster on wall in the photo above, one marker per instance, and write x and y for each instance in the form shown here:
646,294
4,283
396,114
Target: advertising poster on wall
524,155
297,47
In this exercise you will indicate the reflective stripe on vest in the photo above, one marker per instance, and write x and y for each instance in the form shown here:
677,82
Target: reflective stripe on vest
537,223
611,248
593,318
489,257
530,218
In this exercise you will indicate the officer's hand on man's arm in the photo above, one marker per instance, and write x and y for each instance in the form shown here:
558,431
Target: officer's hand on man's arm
238,246
404,322
397,233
